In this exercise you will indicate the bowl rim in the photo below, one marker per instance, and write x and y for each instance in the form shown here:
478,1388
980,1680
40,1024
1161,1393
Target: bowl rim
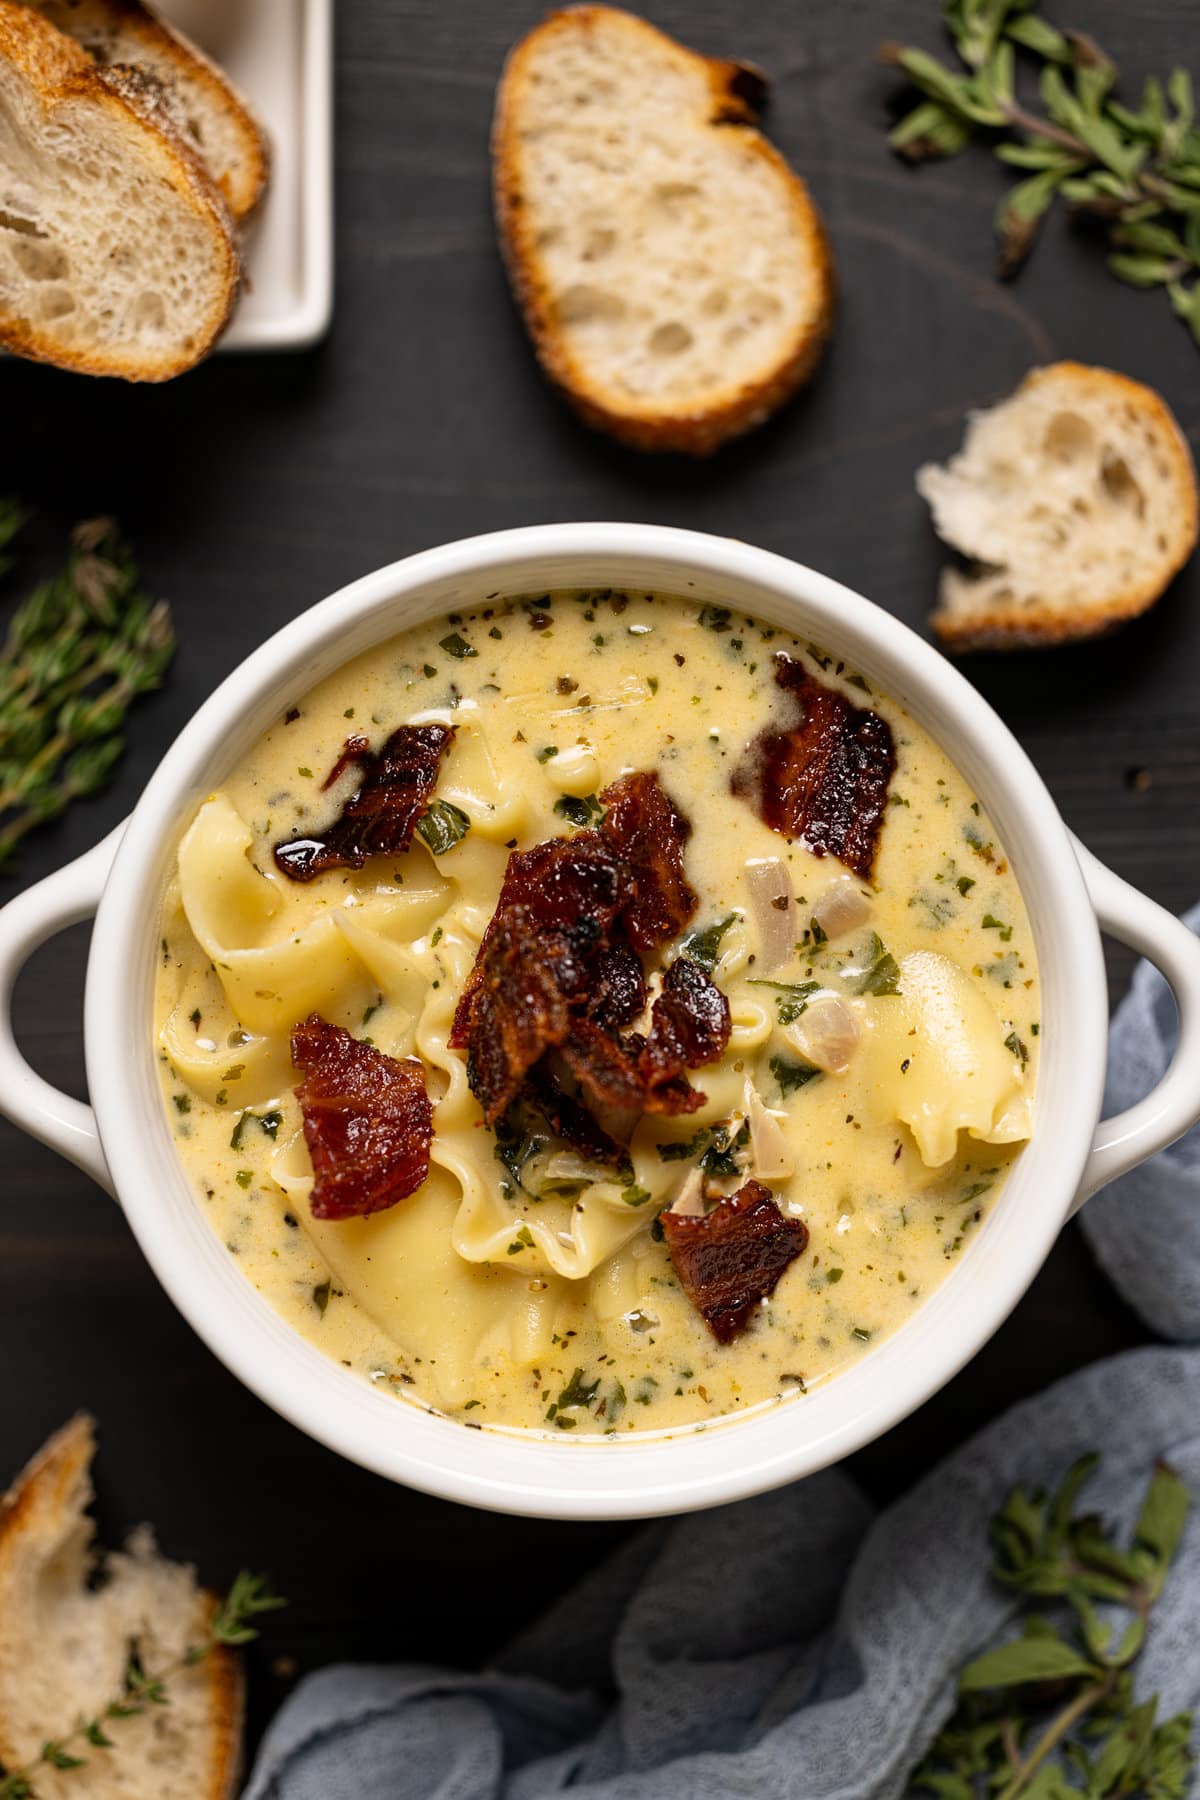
631,1476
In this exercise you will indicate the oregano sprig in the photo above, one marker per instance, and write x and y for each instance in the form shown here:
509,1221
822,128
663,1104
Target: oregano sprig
1052,1714
231,1625
1136,169
79,651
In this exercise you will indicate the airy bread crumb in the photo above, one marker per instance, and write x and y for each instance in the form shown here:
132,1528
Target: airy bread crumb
204,107
673,271
1076,498
117,254
65,1644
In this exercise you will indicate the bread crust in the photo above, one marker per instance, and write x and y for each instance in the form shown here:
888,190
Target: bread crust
735,89
1023,628
142,25
59,72
53,1488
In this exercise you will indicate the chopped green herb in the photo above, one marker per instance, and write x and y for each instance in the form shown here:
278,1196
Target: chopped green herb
973,1192
652,683
579,812
578,1392
791,997
235,1141
686,1148
882,972
522,1241
443,826
704,946
991,923
862,1334
1012,1042
320,1296
635,1195
234,1072
457,645
307,773
244,1177
270,1123
791,1074
834,1275
964,884
715,618
183,1102
721,1158
546,752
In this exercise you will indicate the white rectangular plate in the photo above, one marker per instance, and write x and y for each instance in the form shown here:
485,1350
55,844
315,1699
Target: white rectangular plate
280,54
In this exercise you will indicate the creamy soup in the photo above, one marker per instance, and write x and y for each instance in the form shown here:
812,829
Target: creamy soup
880,1027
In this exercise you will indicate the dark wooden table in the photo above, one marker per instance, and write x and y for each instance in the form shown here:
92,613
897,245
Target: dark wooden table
257,485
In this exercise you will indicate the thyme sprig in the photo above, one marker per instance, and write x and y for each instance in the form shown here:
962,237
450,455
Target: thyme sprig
1136,169
1052,1714
79,651
230,1626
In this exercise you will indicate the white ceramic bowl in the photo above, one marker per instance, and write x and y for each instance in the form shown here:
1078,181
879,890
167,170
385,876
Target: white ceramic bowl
123,1139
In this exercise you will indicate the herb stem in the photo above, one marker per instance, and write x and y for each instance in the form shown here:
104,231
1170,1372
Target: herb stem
1054,1733
1018,115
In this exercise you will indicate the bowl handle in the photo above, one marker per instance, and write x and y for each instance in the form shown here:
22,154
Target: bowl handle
1171,1108
71,894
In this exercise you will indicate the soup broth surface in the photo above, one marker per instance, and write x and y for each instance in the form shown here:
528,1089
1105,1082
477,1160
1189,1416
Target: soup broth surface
519,1287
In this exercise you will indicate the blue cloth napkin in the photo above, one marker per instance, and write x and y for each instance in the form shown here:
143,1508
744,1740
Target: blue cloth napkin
798,1647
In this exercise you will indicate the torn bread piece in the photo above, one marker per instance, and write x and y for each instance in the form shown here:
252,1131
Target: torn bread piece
672,269
65,1645
201,102
117,253
1075,499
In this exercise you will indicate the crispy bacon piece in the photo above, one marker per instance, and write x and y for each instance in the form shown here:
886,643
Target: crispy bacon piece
355,752
826,780
571,885
689,1025
648,834
609,1069
367,1121
619,987
520,1006
571,1121
380,817
731,1258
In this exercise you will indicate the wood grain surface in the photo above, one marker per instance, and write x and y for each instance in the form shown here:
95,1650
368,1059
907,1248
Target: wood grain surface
255,486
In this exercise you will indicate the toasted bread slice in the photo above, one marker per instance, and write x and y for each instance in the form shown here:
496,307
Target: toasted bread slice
65,1647
117,254
201,102
1075,498
672,269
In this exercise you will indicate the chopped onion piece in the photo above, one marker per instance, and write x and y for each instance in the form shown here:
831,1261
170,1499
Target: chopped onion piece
827,1034
842,907
690,1199
773,905
770,1156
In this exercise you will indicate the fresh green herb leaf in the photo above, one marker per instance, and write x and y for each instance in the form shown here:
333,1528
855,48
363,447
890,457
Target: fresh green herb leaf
578,1392
457,645
79,651
443,826
704,946
582,812
1052,1714
791,1074
685,1148
635,1195
791,997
